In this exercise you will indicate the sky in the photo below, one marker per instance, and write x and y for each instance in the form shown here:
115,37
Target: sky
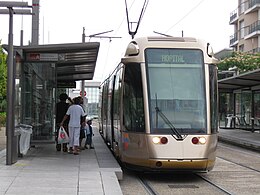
62,21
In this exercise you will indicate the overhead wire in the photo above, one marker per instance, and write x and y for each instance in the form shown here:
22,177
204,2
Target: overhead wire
127,16
107,54
124,18
133,33
192,9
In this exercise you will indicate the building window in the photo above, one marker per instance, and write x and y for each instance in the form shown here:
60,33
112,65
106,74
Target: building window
241,48
242,29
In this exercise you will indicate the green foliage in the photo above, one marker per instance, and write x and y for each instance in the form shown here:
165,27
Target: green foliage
2,119
3,105
3,73
243,61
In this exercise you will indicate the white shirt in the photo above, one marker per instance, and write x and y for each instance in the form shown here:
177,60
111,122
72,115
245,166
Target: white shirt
75,112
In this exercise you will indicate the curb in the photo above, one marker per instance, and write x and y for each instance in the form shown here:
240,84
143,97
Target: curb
239,143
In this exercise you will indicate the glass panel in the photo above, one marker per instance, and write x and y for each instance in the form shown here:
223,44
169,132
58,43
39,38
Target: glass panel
246,108
257,110
133,103
104,105
243,110
38,99
226,109
92,98
176,86
116,98
213,98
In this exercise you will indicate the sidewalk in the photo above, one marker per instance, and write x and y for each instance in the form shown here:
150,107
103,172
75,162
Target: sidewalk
43,170
240,137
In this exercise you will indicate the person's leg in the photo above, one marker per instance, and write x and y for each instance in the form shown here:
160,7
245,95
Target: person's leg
76,140
58,146
82,136
91,144
65,145
87,141
71,139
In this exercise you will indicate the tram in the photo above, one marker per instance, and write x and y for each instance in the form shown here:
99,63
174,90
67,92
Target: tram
158,108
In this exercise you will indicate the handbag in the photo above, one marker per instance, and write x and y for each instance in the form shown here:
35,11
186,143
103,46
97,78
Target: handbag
82,133
62,136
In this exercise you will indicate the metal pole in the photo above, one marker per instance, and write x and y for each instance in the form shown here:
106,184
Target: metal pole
21,39
83,81
10,94
82,88
35,22
83,35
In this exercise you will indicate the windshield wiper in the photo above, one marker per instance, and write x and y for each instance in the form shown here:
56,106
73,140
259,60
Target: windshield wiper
166,120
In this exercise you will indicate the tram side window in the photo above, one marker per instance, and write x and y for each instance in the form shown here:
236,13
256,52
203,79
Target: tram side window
116,100
133,104
105,104
213,98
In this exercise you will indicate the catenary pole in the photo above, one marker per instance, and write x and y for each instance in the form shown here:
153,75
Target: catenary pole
10,133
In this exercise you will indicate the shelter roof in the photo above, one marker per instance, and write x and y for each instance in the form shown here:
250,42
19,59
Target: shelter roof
74,61
242,81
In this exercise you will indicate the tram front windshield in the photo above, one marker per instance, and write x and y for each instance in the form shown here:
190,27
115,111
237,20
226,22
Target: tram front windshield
176,85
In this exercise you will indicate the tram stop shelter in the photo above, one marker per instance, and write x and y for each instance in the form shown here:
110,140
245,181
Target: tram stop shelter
239,101
39,73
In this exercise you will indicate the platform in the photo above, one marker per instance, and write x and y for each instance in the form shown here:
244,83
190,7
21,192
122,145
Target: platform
241,137
43,170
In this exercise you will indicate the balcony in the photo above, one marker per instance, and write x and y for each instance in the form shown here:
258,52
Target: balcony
233,40
233,17
252,6
253,30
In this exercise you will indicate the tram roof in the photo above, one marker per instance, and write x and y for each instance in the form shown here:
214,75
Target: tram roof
74,61
246,80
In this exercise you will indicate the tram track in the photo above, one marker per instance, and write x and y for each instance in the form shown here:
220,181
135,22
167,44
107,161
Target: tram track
214,184
148,188
249,154
239,164
236,172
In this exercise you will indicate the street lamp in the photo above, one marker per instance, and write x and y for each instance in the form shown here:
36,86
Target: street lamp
9,9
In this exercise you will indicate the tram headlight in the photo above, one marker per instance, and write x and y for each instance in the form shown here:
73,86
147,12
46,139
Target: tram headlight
202,140
160,140
156,140
198,140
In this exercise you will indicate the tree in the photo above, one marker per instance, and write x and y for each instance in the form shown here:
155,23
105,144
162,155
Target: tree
243,61
3,78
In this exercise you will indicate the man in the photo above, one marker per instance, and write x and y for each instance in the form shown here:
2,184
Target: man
61,109
75,112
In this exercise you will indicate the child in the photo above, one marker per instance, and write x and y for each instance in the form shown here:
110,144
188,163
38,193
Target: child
89,134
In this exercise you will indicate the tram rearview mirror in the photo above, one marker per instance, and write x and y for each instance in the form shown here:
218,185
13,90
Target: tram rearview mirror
132,49
210,50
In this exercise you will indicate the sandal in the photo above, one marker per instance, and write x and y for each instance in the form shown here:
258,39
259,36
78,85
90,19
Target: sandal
70,151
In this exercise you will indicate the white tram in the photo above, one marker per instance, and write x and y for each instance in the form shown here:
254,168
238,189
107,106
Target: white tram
158,108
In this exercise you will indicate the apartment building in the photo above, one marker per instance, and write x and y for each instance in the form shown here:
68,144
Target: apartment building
246,21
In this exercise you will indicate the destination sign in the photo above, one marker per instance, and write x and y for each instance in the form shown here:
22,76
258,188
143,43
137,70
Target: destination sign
174,56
